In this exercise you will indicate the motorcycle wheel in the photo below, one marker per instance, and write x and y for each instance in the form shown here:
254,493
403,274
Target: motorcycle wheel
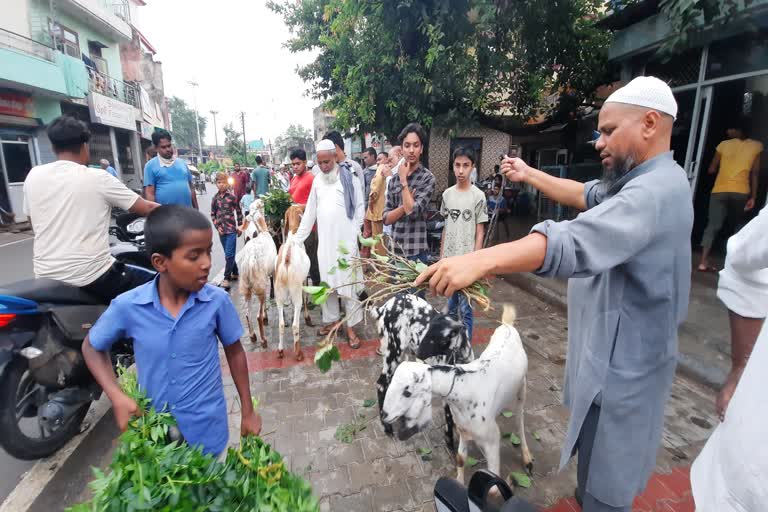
20,397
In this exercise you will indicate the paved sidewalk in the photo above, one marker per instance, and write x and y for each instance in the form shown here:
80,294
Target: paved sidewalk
302,409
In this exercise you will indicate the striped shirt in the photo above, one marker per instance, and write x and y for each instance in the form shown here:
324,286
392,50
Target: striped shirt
409,233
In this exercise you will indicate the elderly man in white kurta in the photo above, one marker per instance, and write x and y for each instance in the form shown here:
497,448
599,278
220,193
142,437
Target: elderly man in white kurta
336,204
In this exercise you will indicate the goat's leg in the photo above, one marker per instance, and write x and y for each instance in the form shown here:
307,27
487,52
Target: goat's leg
490,444
297,294
461,458
247,306
381,390
527,457
280,306
449,439
262,296
307,318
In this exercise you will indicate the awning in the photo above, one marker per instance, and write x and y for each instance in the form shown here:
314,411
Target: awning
29,122
97,44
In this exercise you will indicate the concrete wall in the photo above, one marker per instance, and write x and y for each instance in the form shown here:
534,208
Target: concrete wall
47,109
15,17
495,143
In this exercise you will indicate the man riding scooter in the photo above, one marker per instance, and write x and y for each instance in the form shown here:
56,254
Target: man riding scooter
69,206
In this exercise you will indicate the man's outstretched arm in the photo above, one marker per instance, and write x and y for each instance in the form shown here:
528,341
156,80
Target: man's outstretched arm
566,192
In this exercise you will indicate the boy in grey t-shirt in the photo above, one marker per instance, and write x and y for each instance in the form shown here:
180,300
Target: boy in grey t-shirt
465,211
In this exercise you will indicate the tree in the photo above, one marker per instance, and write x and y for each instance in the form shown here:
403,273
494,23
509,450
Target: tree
233,147
183,120
294,136
692,22
381,64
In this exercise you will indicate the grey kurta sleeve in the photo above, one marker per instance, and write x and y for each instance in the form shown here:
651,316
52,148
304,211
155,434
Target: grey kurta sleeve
594,193
606,235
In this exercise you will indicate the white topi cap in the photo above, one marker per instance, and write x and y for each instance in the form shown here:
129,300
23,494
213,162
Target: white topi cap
646,91
326,145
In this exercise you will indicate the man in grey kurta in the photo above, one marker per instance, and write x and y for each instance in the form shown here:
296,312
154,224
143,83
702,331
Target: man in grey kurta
628,258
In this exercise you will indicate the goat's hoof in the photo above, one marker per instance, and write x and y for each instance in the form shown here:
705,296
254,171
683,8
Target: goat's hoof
529,468
266,321
299,355
254,338
264,344
280,354
308,322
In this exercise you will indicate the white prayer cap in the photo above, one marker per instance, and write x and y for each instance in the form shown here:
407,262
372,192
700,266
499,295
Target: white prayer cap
649,92
326,145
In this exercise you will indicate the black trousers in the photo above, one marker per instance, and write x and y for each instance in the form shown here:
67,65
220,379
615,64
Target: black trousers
118,279
310,244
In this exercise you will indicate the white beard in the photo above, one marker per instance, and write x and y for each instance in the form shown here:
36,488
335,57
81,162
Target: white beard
331,177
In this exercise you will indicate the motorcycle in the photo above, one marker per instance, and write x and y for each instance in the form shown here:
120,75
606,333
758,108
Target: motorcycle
45,386
453,496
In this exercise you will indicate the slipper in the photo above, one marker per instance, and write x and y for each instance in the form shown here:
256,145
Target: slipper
708,268
326,329
354,342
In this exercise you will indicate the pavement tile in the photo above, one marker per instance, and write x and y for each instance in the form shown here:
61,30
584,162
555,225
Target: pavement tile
336,417
358,502
325,483
342,454
390,498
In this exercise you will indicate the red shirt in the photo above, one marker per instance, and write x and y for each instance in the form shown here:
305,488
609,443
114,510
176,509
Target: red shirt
300,187
241,183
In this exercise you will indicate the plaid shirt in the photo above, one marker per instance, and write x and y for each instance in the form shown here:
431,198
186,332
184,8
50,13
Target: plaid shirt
409,233
223,209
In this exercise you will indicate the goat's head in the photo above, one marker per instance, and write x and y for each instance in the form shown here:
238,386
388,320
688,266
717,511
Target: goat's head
408,402
446,340
293,217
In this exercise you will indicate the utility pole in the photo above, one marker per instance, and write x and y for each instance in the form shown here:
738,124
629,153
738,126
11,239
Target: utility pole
215,133
245,141
197,122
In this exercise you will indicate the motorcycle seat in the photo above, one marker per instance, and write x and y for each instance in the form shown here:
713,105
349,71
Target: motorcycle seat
49,291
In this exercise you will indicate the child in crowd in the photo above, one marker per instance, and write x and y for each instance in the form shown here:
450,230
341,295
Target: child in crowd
176,322
226,213
465,211
247,199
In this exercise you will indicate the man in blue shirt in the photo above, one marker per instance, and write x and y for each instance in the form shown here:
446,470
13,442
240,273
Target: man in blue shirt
260,177
105,165
176,322
167,179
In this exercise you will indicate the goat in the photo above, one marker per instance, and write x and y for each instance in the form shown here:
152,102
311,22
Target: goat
408,324
291,224
476,392
256,262
290,275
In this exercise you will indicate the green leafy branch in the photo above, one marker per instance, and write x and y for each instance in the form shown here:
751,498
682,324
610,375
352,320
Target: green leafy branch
384,276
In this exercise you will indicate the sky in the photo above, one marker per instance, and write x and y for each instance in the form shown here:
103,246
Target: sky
234,50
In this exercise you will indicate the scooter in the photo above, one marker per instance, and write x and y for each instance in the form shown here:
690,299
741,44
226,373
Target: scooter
453,496
45,386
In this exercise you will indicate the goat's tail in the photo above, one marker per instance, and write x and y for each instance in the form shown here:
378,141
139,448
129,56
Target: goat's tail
509,315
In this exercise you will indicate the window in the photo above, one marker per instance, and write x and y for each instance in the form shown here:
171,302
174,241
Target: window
16,157
67,40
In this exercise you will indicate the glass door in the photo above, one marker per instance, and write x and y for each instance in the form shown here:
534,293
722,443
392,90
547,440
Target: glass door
16,160
699,131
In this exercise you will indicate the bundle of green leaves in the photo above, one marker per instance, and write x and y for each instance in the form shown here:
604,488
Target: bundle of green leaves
150,473
276,203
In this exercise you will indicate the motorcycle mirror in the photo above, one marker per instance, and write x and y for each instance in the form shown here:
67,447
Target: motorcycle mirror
31,352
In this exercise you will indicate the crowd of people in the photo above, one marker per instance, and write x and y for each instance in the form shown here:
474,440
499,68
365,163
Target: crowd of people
628,254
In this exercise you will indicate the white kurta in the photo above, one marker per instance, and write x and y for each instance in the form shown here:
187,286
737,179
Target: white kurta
326,207
731,472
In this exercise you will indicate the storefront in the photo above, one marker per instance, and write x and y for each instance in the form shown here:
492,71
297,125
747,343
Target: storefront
19,150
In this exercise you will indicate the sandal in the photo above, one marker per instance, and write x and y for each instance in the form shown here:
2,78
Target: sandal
326,329
708,268
354,341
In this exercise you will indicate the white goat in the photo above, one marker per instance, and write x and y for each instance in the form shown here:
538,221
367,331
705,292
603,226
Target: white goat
476,392
256,263
290,275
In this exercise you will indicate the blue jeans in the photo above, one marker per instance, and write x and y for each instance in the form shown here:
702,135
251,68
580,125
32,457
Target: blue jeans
459,303
229,243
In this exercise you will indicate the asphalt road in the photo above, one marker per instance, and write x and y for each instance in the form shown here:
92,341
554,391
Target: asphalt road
16,258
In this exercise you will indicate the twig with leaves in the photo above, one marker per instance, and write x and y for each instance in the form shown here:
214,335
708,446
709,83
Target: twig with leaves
384,276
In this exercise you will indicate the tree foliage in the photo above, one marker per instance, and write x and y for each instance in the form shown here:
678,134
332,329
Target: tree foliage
183,119
381,64
690,20
294,136
233,147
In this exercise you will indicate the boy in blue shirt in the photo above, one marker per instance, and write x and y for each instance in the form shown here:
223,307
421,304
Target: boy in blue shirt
176,322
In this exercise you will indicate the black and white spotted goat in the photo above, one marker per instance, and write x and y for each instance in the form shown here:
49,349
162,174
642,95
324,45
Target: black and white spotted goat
476,392
409,325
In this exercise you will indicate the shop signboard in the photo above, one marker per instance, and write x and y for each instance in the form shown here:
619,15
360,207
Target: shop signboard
107,111
15,104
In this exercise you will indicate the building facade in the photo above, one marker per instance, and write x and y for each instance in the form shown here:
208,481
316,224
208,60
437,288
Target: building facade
66,57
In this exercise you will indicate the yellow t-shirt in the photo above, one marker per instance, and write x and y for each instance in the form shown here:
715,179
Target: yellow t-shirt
736,159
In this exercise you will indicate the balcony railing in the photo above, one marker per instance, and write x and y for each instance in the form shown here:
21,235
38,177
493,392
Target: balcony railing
26,45
114,88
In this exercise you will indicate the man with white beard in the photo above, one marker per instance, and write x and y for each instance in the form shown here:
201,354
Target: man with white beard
336,204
